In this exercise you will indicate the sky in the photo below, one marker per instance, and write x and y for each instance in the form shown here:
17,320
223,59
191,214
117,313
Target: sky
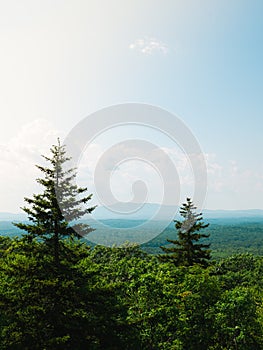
201,60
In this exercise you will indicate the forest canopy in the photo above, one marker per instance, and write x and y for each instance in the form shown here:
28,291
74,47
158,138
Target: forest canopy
56,292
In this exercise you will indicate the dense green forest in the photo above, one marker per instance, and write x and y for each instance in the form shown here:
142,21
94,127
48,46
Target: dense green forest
56,292
123,298
227,237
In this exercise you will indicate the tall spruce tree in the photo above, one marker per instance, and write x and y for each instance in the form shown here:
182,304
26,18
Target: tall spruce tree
187,249
61,202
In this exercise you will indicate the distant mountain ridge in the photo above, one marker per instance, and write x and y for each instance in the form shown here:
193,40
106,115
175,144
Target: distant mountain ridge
5,216
135,211
148,210
248,213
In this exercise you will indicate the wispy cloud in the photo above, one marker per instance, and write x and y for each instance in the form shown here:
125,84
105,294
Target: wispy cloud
230,186
149,46
17,162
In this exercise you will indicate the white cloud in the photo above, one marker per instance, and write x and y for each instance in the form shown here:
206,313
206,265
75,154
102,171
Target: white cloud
229,185
125,164
149,46
17,162
232,186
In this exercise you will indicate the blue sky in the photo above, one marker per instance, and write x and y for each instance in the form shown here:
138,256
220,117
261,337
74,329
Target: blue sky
201,60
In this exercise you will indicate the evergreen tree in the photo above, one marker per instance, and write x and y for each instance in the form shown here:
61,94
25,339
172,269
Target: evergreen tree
187,249
60,203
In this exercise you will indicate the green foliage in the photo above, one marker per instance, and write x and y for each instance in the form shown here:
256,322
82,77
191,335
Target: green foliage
235,321
187,249
227,237
59,200
122,298
46,308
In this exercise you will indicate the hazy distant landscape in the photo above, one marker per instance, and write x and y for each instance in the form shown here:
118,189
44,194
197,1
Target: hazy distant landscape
231,232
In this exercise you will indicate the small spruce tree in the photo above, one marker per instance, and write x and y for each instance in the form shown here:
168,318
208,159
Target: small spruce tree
187,249
60,203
